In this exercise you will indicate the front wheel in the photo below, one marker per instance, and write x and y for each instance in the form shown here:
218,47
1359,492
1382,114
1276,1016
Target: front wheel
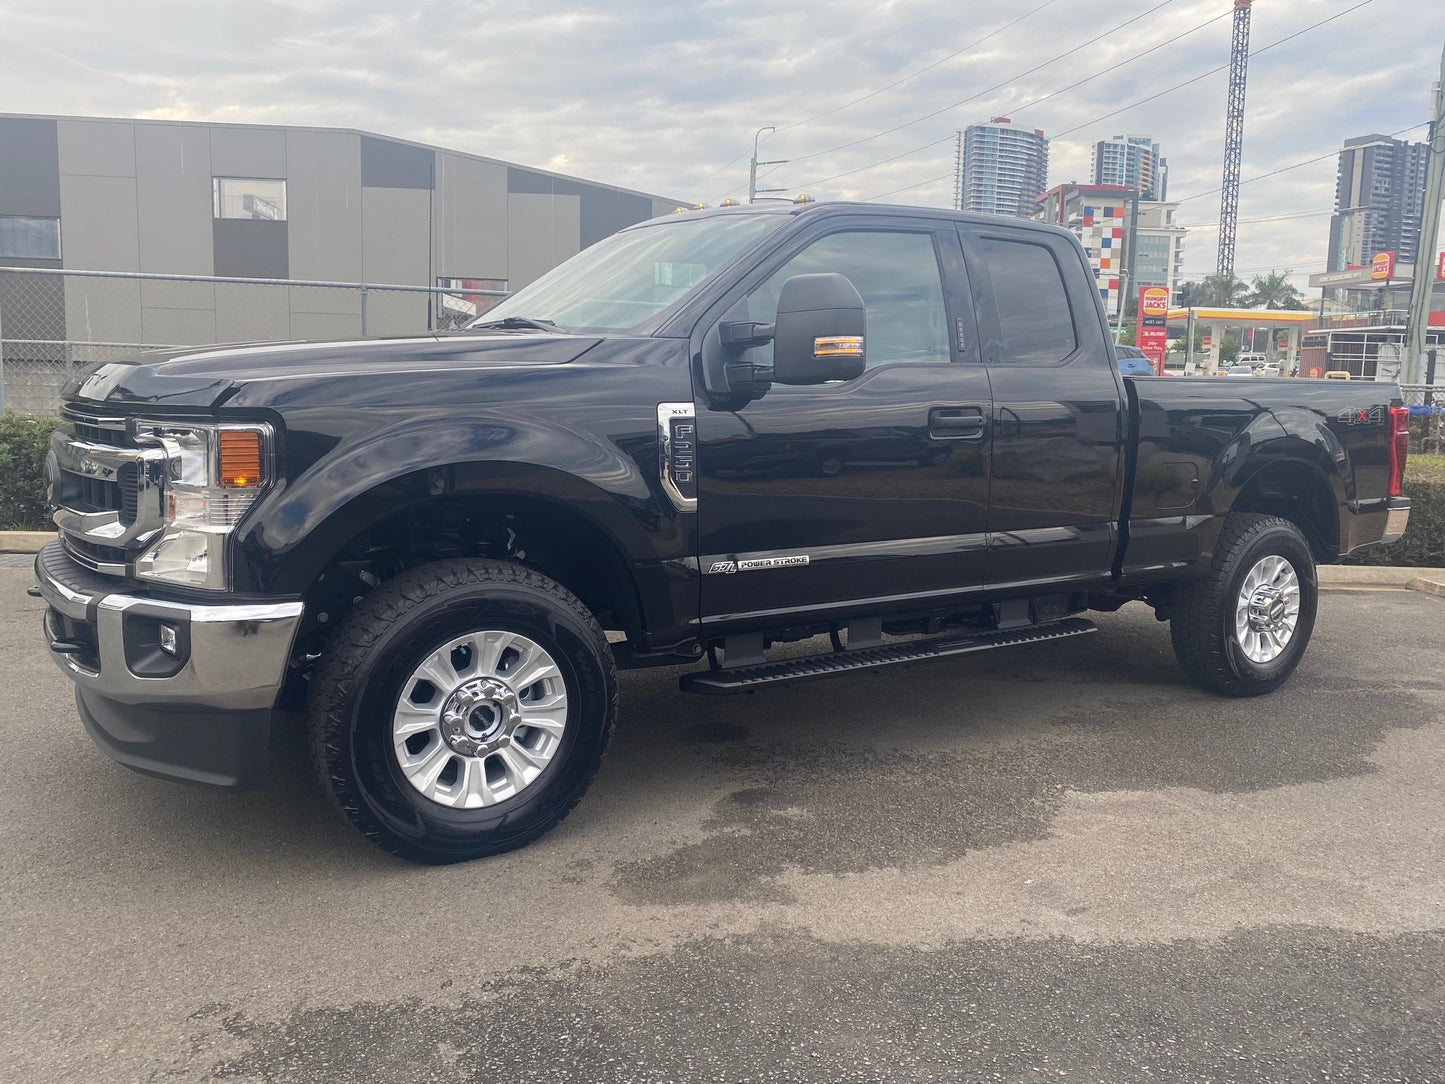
1243,628
462,709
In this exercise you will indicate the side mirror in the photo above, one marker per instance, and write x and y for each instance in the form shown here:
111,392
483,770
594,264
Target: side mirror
818,335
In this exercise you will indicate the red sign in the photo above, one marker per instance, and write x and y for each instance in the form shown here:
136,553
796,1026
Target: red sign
1382,267
1150,334
1440,268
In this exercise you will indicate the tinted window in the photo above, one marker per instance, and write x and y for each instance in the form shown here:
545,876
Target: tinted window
898,277
1034,322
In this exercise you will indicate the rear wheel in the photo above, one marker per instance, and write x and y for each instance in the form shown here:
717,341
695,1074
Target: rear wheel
1243,628
462,709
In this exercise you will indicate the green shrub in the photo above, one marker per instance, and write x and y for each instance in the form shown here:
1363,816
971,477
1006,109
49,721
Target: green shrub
23,444
1424,542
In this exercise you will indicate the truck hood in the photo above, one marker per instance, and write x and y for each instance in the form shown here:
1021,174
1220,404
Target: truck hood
202,377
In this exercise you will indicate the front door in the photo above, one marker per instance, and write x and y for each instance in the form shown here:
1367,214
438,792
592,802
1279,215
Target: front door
861,496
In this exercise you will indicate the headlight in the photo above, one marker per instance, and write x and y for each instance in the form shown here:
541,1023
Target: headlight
214,475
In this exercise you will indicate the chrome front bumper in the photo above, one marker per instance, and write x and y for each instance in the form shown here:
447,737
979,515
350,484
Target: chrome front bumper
230,656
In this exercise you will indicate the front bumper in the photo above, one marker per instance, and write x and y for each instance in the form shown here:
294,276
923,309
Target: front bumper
202,713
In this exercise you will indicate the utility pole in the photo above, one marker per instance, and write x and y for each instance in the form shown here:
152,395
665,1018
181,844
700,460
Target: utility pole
753,165
1233,137
1424,278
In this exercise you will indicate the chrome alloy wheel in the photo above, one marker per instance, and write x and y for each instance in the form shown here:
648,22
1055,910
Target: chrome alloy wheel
479,719
1267,610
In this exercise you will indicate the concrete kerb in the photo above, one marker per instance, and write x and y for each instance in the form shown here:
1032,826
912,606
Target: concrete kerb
1429,580
25,541
1383,576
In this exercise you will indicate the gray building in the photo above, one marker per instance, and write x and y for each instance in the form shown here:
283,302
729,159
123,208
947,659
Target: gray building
1002,168
1158,246
262,201
1379,196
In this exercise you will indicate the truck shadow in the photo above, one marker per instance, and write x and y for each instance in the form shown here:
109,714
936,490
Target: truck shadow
897,768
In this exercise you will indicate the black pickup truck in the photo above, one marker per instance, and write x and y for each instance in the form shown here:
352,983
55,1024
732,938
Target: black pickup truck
898,429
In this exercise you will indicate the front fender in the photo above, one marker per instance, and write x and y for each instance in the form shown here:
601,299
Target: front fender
370,476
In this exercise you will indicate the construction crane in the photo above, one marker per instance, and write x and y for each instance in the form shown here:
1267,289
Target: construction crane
1233,136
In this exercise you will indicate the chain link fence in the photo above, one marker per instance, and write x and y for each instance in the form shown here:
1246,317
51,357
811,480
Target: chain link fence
54,322
1427,416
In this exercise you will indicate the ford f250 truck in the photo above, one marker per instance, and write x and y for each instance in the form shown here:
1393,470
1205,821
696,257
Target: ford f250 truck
899,429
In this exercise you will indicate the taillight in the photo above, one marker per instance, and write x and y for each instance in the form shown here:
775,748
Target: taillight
1399,446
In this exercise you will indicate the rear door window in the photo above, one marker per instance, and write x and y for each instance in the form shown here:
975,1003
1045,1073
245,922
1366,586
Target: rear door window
1034,324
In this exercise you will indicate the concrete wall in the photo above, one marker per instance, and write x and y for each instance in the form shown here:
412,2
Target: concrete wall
137,196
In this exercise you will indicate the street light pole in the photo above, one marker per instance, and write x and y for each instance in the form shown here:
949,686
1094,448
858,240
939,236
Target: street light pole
1424,279
753,165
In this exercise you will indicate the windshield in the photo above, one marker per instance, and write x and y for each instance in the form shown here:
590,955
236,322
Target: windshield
624,280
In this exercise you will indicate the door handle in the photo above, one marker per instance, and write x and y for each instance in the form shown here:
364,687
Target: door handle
956,423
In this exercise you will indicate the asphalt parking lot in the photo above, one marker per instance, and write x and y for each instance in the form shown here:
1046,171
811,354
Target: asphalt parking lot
1056,864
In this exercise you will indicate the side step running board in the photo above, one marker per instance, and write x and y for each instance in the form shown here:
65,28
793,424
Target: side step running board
811,667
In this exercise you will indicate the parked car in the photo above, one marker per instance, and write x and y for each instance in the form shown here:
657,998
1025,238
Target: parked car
427,540
1132,361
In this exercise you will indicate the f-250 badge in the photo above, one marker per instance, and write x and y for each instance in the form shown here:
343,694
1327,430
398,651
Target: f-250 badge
1374,415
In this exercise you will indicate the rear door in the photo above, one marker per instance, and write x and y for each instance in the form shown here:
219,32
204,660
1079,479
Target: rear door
1058,430
866,495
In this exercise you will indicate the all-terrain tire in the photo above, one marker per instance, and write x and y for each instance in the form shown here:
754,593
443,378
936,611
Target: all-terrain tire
1205,614
355,688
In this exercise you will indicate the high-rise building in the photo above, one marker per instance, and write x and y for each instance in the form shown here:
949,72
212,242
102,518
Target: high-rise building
1002,168
1132,161
1379,195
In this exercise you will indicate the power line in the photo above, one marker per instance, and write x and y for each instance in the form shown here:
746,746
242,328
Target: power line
1262,218
1211,71
989,90
1295,165
1170,90
874,93
906,187
920,71
1029,104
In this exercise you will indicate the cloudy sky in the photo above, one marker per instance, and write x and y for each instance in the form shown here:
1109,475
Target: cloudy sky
866,94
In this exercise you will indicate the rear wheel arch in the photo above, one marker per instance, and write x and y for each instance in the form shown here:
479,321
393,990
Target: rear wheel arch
1300,492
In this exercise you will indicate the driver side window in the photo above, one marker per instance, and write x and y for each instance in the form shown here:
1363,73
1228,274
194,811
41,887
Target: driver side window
896,273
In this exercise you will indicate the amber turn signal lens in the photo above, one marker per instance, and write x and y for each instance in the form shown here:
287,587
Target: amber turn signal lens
838,346
240,458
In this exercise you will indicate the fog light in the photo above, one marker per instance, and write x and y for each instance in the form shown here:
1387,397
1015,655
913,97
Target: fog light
168,639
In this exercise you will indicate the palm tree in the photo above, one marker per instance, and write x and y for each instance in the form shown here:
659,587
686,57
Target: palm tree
1273,291
1221,290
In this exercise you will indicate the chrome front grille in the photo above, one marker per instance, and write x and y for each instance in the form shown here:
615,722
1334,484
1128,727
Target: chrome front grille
105,488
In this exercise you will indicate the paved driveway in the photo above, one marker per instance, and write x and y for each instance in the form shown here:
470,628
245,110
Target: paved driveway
1057,864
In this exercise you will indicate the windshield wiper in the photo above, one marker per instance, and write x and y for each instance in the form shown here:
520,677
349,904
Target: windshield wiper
515,323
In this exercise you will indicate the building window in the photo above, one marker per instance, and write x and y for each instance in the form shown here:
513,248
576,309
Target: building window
460,304
249,197
25,237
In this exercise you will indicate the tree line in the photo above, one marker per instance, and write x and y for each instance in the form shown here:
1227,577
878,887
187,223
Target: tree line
1224,291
